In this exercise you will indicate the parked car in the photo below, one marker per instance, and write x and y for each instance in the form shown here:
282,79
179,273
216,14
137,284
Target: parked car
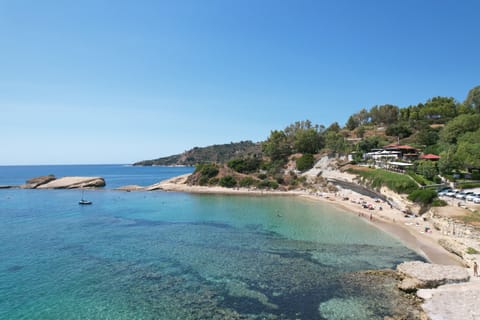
476,200
461,195
464,195
472,196
452,193
443,192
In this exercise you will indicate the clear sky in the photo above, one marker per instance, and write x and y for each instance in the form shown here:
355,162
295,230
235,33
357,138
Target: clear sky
120,81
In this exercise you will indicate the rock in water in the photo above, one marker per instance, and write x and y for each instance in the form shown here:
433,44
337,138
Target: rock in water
38,181
74,182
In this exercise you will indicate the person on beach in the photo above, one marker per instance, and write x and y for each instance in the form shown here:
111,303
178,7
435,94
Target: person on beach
475,269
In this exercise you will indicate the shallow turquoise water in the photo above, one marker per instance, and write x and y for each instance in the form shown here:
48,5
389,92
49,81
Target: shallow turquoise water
178,256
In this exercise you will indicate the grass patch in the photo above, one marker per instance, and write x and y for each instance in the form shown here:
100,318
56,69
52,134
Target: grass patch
377,178
439,203
419,179
471,250
468,185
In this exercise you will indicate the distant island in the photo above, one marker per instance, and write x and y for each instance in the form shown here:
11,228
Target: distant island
216,153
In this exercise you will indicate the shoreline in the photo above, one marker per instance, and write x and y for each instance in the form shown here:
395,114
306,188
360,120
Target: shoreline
390,220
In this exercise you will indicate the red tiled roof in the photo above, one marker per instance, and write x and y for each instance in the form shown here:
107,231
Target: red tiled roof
429,156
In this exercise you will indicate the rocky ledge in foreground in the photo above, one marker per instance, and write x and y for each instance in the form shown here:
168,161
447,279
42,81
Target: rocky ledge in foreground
50,182
419,275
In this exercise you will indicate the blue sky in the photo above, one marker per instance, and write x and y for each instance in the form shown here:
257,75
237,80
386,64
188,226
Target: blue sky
120,81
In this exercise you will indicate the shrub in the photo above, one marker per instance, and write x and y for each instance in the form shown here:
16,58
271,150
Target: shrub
305,162
262,176
203,181
213,181
246,182
228,182
422,196
208,170
439,203
468,185
471,250
244,165
268,184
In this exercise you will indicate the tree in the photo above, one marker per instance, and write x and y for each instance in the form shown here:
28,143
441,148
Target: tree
398,130
335,141
366,145
468,150
473,99
427,168
458,126
308,141
448,161
305,162
334,127
352,123
384,115
426,136
227,182
277,146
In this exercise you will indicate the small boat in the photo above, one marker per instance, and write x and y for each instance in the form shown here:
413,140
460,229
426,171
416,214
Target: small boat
83,201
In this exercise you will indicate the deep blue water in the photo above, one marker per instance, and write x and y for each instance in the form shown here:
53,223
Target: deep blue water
159,255
115,175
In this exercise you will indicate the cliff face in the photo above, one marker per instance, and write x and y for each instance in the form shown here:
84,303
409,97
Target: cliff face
217,153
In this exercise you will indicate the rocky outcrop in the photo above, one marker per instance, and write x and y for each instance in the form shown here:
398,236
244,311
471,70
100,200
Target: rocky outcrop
132,187
73,183
426,275
38,181
452,301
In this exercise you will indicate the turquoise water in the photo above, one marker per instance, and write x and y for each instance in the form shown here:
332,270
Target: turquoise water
157,255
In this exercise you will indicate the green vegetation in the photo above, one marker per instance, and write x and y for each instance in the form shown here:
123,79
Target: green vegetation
427,169
377,178
220,153
418,178
422,196
206,172
248,165
228,182
267,184
305,162
247,182
439,203
468,185
440,125
471,250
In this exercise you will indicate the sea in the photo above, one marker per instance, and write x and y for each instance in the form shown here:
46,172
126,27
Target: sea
169,255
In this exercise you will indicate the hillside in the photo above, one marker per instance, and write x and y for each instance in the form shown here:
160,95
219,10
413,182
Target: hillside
218,153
